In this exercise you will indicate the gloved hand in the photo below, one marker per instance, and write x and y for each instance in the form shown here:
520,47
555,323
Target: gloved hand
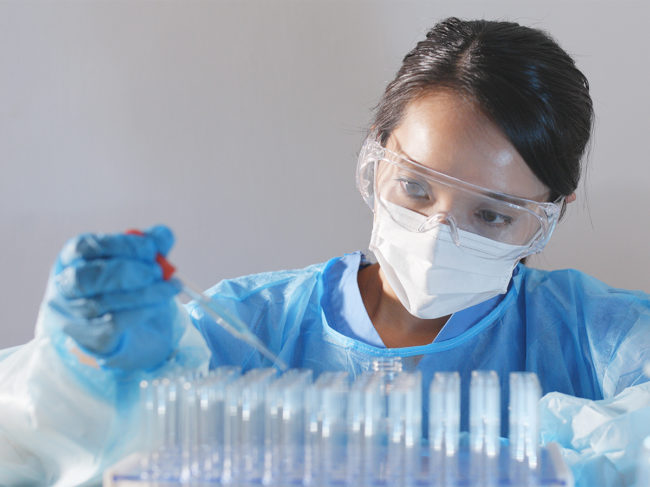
107,292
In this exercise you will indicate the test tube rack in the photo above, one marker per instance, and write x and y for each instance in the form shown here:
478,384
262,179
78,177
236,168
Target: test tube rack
262,428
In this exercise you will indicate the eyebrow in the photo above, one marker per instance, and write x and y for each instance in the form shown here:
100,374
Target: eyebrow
401,152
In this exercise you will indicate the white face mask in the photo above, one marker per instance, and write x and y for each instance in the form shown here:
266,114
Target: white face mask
430,274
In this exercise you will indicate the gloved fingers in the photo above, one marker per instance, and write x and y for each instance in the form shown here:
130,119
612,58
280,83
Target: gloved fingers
92,307
98,336
105,276
162,237
110,333
89,246
147,344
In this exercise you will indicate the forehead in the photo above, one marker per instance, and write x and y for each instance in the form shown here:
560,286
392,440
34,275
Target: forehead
448,133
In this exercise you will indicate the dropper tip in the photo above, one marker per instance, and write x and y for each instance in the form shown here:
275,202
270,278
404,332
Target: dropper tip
281,365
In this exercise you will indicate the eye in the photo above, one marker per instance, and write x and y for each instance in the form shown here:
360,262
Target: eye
493,218
413,189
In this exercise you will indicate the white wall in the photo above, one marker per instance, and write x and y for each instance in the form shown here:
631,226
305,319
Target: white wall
237,124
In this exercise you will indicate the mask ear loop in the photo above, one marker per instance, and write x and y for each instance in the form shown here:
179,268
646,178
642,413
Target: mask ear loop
442,218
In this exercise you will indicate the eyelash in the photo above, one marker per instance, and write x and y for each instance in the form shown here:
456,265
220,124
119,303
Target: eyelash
507,220
407,182
483,215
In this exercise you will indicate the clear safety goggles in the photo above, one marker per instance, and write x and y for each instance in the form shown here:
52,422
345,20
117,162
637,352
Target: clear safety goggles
387,178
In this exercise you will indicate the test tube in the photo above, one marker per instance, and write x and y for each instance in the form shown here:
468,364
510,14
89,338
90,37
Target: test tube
244,426
444,427
328,429
158,409
252,425
525,394
444,412
166,428
188,435
168,413
484,427
294,420
367,433
231,430
148,441
404,422
286,421
484,412
387,365
211,396
228,429
355,430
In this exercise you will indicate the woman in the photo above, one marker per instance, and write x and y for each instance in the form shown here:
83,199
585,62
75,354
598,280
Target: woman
473,154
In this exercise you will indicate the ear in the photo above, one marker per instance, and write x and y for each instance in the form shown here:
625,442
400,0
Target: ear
570,198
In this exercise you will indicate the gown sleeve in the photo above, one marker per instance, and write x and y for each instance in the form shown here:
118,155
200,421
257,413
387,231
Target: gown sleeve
63,420
602,439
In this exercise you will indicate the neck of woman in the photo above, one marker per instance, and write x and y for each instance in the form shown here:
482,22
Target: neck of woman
395,325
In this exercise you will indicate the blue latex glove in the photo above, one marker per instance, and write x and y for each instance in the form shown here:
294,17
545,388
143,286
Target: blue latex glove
107,292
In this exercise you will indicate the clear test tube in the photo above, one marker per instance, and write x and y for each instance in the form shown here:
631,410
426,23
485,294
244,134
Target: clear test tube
206,426
165,428
158,409
356,430
294,423
231,435
485,412
148,440
286,428
211,394
484,427
188,434
444,427
158,422
374,446
273,433
328,429
404,423
444,412
169,409
314,426
237,428
525,393
252,425
388,367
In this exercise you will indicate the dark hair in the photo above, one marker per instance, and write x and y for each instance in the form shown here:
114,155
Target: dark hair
518,76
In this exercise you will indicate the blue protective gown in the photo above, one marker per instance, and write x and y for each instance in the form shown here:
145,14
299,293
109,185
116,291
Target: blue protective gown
587,342
64,422
578,334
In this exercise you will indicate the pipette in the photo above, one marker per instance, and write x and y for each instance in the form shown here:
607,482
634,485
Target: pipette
232,324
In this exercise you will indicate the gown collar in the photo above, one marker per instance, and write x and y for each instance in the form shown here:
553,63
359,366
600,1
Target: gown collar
346,313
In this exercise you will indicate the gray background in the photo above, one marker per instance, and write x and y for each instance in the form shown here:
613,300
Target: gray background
238,123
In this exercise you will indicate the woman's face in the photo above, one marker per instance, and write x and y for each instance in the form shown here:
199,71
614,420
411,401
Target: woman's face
449,134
